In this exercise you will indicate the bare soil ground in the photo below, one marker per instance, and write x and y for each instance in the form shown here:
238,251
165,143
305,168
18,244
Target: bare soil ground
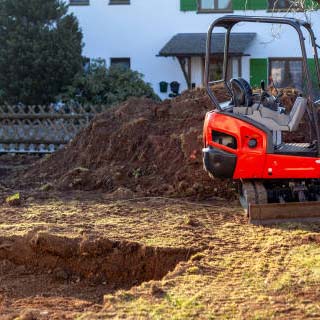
84,255
124,223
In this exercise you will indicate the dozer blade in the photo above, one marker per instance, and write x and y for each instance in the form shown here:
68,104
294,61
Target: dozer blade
263,214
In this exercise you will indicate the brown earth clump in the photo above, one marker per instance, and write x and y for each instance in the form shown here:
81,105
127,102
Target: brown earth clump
148,147
151,148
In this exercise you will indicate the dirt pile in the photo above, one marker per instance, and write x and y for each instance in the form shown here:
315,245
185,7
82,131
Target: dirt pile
148,147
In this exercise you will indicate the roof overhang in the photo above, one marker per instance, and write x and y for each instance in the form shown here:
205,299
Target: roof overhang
194,44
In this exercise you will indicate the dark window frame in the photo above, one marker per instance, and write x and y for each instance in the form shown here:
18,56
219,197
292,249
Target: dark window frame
79,2
286,59
119,2
215,9
230,69
118,60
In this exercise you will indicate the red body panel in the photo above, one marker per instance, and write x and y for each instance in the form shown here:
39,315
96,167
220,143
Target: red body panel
284,167
256,163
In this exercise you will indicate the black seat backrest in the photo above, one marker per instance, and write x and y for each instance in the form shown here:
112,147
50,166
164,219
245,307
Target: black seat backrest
242,92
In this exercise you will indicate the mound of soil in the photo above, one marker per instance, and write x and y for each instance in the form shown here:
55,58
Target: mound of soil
148,147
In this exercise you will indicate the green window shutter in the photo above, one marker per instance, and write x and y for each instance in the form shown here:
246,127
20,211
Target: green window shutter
188,5
238,4
258,71
250,4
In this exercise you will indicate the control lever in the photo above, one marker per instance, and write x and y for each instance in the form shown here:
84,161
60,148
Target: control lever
264,93
279,95
281,108
273,85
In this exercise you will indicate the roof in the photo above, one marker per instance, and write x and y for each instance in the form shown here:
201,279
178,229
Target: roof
194,44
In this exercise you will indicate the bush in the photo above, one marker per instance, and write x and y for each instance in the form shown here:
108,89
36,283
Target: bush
40,50
99,85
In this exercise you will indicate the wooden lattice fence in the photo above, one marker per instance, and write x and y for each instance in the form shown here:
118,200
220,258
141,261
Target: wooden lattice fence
42,129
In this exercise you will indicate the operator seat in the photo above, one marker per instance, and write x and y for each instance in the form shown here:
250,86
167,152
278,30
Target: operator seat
280,122
243,104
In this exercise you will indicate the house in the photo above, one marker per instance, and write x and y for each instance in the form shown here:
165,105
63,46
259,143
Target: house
165,40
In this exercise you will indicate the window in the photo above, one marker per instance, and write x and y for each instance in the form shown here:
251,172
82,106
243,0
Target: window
216,68
79,2
119,2
286,72
120,62
214,5
279,4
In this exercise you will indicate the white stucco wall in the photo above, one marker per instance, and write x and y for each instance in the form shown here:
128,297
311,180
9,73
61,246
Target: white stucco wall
141,29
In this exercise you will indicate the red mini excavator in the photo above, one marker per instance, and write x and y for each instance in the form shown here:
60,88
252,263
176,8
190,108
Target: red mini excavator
278,181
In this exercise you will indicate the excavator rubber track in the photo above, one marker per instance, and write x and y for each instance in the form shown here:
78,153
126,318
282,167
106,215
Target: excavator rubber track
254,198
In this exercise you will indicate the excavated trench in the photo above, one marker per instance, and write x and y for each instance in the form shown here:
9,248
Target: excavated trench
121,264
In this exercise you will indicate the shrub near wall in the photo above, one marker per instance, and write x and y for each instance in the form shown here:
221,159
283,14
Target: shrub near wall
99,85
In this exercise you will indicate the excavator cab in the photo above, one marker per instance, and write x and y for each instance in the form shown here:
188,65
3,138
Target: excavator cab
243,138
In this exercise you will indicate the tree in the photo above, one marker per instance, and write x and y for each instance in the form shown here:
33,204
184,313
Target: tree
295,5
300,7
304,6
40,50
99,85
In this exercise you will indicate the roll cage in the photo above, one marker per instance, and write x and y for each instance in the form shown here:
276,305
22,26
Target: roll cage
229,21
